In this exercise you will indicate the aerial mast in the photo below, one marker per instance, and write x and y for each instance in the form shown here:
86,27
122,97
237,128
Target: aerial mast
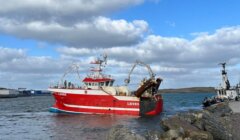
225,81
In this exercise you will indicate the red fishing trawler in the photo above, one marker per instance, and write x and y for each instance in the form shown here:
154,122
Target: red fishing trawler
97,95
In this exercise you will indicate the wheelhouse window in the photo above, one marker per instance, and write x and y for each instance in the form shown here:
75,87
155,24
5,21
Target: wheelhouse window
111,83
107,83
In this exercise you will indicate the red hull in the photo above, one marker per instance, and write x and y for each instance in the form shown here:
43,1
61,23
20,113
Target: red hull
106,104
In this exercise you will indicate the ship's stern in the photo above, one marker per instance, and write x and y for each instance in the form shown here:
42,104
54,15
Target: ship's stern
150,106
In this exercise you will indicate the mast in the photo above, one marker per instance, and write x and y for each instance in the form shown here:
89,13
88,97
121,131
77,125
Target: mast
100,64
225,82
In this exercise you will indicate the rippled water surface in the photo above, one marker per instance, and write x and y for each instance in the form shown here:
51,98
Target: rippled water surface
28,118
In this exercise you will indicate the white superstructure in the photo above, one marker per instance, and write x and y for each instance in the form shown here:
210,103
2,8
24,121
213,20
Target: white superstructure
225,90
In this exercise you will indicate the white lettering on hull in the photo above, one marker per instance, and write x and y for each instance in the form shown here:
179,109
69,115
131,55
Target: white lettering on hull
132,104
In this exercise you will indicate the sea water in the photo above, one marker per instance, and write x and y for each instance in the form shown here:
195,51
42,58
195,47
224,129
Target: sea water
29,118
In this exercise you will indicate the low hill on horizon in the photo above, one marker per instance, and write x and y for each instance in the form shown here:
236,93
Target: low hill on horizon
189,90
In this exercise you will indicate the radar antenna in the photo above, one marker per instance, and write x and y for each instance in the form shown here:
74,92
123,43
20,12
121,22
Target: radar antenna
105,58
223,65
225,81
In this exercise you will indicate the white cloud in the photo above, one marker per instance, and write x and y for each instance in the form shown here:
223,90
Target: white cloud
18,69
171,23
60,10
99,32
223,45
32,65
77,23
74,51
8,54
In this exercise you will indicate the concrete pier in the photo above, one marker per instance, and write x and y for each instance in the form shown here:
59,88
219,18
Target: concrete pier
235,106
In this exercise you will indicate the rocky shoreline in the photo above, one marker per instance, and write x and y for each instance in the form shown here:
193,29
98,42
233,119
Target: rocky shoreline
218,122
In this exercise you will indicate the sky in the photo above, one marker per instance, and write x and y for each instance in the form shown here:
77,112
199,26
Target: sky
182,40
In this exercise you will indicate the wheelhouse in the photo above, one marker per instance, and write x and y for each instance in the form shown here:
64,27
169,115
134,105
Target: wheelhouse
93,83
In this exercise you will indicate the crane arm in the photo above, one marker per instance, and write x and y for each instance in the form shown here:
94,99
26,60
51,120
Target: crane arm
140,63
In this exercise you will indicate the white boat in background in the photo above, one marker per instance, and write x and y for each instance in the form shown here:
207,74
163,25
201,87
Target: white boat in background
225,90
8,93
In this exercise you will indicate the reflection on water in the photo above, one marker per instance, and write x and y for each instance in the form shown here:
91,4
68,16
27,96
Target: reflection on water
28,118
85,126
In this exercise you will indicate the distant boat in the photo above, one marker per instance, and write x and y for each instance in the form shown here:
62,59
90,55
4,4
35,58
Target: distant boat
225,90
99,96
8,93
23,92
